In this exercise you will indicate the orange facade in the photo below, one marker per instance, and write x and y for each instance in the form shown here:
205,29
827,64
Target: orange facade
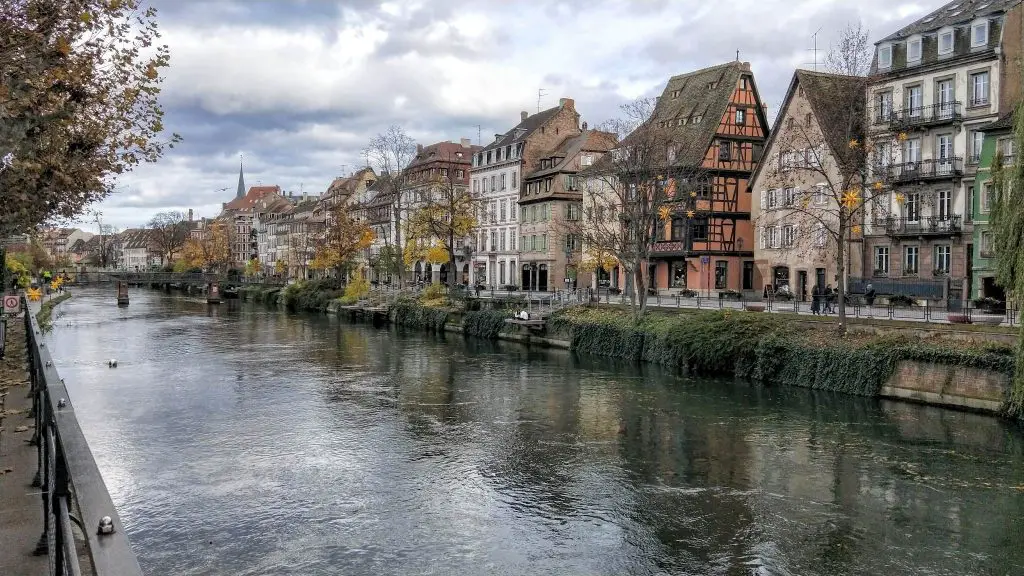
715,250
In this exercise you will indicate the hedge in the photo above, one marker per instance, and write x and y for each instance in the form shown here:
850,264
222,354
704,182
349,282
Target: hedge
415,315
486,324
765,349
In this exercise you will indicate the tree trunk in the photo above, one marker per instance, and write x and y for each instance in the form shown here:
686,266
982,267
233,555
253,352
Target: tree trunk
841,272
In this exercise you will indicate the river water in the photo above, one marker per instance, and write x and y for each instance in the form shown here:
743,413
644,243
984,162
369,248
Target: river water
238,440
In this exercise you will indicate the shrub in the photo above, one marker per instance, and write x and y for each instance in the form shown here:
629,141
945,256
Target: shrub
357,289
902,300
415,315
310,296
687,293
347,300
989,303
485,323
433,292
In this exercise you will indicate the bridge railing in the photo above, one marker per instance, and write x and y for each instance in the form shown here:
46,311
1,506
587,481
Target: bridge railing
72,487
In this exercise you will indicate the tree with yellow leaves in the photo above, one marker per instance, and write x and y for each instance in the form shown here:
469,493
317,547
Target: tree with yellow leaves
439,224
343,238
212,250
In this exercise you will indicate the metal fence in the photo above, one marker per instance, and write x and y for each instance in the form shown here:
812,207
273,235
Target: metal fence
72,488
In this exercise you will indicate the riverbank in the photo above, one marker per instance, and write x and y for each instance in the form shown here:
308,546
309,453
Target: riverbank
45,314
956,370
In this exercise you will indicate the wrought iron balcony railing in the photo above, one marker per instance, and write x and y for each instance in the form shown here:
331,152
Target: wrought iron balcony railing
922,225
924,170
920,116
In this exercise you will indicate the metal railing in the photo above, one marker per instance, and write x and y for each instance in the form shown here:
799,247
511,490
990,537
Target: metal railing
921,115
922,225
72,488
931,169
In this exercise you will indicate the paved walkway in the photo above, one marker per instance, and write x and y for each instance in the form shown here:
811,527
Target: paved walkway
21,507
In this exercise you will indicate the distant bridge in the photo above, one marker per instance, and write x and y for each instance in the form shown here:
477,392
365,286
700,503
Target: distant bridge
190,278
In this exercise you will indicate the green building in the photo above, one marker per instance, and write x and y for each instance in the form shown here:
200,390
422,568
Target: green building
998,137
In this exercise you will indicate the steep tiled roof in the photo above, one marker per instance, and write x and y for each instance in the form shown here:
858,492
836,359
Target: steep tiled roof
951,14
588,140
837,103
523,130
249,200
347,184
446,151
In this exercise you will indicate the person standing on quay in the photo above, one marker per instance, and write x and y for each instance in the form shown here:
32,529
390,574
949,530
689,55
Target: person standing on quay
816,299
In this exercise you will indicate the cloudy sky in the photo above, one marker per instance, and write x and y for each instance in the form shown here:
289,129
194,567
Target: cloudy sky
299,87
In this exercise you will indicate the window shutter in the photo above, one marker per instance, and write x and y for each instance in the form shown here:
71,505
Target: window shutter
763,244
764,200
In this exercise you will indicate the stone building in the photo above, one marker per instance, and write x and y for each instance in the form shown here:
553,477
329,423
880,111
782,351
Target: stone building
495,176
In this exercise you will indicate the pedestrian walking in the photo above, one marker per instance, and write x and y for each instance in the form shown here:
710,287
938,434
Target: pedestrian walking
830,299
816,294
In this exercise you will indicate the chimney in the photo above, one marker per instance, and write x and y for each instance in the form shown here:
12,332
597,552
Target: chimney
567,103
523,115
189,214
466,142
745,66
764,108
419,148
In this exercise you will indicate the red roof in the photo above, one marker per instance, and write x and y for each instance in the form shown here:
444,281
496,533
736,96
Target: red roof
251,197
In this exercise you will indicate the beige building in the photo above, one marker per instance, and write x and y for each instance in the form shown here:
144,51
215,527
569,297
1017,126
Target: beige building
550,200
797,185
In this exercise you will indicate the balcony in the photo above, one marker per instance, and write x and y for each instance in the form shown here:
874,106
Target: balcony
926,170
920,116
922,226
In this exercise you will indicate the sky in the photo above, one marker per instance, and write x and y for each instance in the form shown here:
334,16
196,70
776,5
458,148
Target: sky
298,88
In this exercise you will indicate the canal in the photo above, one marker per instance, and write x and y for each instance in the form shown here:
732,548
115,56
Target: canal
238,440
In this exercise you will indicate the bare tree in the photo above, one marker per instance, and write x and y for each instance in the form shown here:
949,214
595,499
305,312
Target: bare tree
632,192
169,233
391,152
444,215
817,190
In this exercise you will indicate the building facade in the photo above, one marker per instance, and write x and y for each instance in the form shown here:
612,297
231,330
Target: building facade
999,140
495,177
716,116
550,205
797,186
937,86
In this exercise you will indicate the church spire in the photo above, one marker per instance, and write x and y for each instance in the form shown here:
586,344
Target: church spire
241,180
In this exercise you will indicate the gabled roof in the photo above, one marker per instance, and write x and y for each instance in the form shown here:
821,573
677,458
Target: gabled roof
523,130
251,197
705,93
588,140
447,151
951,14
347,184
821,89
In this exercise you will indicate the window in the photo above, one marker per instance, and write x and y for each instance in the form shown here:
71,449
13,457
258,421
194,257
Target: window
678,229
790,196
771,197
504,211
502,237
986,197
724,150
492,184
501,273
944,99
790,122
748,275
976,138
586,160
494,212
979,34
512,239
820,198
572,243
969,205
522,210
533,242
572,211
979,89
544,242
699,232
743,83
914,50
946,42
914,101
497,155
942,258
513,179
512,211
721,274
883,106
912,150
820,236
1006,147
741,117
503,181
771,239
986,244
522,242
944,146
944,204
910,259
788,236
912,207
881,260
460,174
807,119
884,56
494,240
533,213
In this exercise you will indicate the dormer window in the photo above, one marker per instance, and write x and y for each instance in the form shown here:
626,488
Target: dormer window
945,42
979,34
884,56
914,49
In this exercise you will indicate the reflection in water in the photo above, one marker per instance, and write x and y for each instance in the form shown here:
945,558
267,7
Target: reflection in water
237,440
